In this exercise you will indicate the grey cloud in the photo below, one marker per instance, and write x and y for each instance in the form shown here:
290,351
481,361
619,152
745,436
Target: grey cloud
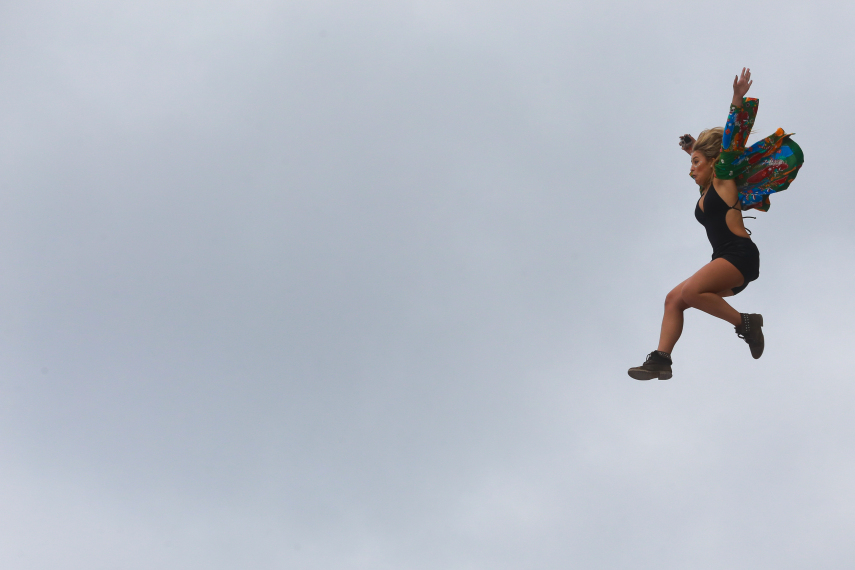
340,285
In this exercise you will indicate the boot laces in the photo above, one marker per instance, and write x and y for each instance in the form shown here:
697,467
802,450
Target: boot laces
656,357
746,327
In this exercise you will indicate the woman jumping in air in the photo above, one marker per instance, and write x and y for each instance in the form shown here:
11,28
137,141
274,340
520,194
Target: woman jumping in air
731,178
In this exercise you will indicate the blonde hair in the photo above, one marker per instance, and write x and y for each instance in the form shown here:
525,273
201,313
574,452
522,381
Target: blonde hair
709,143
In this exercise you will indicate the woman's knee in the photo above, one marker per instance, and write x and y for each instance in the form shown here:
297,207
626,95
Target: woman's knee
689,295
674,300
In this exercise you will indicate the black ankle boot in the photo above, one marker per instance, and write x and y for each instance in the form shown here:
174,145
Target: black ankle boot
657,365
752,332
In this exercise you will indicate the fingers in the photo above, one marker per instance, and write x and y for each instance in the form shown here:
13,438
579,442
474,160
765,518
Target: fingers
743,81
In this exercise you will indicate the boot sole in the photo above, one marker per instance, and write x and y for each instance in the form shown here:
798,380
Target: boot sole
647,375
760,353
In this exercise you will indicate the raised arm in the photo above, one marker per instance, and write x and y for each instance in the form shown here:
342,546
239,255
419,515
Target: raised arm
743,111
741,85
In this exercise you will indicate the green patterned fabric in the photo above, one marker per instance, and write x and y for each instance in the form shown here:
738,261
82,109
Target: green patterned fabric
766,167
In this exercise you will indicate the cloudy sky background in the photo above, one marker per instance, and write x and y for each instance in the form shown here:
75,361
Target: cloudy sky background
355,285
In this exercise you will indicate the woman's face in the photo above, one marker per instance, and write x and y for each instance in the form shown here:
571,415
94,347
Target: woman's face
702,169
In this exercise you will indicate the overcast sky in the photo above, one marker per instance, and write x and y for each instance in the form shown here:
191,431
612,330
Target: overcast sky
355,285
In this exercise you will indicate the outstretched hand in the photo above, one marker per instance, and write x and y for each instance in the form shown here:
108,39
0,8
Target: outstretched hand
741,85
687,143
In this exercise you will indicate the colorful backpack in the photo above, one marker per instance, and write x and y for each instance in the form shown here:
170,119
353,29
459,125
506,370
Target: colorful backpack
766,167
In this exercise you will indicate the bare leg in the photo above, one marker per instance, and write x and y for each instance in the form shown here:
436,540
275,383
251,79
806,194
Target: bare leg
705,290
672,319
702,290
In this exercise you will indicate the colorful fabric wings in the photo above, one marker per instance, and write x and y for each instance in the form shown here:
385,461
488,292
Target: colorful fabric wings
766,167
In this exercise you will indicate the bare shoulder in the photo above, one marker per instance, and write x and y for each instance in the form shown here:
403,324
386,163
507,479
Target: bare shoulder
727,190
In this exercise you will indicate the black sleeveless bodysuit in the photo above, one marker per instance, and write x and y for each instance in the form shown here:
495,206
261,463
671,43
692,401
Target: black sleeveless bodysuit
738,250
